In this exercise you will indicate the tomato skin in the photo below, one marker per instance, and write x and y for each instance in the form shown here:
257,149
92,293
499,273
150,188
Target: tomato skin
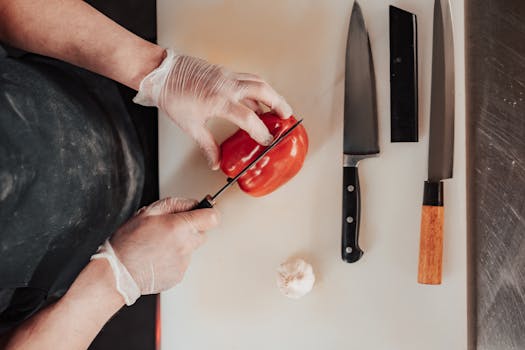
275,168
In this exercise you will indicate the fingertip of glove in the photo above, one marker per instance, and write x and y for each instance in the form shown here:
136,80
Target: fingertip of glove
286,109
213,165
212,155
267,141
288,113
284,114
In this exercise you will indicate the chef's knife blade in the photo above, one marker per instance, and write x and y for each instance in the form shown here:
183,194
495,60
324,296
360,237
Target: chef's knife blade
360,128
441,146
209,200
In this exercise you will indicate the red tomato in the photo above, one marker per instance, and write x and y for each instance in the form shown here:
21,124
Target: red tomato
276,167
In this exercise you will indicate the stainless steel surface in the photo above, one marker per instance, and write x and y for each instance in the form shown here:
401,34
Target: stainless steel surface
252,163
360,126
495,85
441,143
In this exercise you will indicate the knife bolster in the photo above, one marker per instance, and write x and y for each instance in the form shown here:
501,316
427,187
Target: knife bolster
207,202
433,194
352,160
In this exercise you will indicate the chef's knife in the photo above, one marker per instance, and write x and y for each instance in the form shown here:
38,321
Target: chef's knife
441,146
360,128
209,200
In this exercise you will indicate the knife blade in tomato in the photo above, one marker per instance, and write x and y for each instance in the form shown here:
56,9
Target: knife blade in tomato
276,168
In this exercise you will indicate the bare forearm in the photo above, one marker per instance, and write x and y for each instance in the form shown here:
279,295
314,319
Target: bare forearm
74,321
75,32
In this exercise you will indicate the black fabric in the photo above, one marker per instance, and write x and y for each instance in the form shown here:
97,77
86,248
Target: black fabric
134,327
71,172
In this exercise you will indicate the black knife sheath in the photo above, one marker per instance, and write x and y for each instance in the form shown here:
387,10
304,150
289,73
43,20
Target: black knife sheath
403,76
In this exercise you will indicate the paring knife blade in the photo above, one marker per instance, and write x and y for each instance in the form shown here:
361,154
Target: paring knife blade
441,146
360,128
209,200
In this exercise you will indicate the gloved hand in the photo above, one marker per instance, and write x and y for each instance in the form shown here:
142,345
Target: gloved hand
192,91
150,253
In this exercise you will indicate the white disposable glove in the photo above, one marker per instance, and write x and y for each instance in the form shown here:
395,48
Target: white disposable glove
150,253
192,91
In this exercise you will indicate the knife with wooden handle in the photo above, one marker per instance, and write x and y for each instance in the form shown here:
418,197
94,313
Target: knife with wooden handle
360,128
441,146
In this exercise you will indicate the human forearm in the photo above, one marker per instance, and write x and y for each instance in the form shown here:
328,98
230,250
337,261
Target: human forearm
73,321
75,32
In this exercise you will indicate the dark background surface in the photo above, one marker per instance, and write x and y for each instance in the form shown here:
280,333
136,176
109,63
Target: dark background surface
135,327
495,46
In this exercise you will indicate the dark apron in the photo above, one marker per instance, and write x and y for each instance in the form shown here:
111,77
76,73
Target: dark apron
71,172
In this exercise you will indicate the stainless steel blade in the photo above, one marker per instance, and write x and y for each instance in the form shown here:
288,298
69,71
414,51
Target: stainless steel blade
360,114
441,143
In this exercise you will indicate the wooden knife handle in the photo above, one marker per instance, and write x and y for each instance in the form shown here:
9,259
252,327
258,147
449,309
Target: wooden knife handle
350,251
431,240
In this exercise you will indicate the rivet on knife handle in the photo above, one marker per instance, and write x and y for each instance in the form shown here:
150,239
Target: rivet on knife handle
350,250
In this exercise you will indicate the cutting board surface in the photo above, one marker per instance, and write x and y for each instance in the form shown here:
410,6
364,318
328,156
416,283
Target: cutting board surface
229,298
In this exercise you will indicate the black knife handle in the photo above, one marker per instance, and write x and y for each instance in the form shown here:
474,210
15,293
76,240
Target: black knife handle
350,250
207,202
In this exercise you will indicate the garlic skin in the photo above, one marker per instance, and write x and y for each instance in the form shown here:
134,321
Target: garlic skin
295,278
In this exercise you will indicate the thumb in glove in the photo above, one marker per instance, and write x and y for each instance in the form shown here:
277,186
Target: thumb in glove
151,252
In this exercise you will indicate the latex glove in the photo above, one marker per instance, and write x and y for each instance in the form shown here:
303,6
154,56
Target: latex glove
151,252
191,91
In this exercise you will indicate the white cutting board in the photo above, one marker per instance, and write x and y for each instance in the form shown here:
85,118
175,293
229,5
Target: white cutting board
229,299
